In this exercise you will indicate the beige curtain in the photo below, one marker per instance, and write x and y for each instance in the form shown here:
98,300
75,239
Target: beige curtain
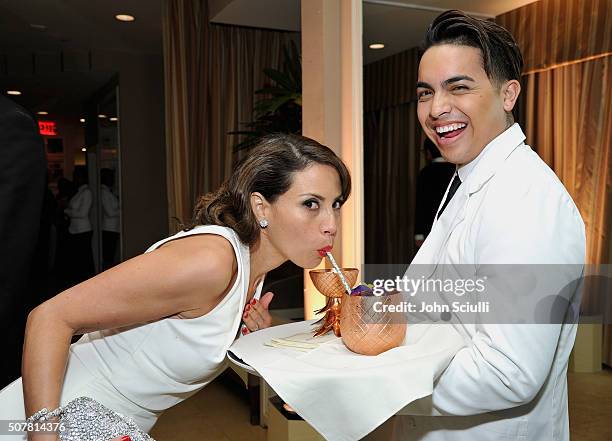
566,109
551,32
568,120
184,25
211,74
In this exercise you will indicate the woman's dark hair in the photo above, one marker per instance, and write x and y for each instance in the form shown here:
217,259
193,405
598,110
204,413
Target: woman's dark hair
267,169
107,177
501,56
79,175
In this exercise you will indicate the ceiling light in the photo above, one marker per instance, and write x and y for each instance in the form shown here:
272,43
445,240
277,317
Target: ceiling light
114,118
82,120
42,112
13,92
376,46
101,115
84,149
125,17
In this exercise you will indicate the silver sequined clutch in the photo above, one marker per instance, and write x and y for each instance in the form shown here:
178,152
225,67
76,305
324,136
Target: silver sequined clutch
84,419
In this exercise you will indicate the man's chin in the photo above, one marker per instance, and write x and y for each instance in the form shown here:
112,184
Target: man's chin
453,159
457,156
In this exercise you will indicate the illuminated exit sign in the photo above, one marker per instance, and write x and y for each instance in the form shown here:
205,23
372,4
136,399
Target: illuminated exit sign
47,128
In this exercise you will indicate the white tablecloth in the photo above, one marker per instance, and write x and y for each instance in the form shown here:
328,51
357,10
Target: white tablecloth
344,395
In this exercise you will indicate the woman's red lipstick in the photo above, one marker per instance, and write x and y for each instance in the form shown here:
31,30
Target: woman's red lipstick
323,251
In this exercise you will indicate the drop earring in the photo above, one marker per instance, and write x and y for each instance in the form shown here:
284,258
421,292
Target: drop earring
263,223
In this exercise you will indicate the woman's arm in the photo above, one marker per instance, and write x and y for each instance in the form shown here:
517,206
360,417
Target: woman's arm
189,274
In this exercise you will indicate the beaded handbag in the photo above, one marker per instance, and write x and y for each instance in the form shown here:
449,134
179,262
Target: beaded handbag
84,419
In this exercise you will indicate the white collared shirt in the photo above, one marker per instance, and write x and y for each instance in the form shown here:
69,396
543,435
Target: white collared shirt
464,171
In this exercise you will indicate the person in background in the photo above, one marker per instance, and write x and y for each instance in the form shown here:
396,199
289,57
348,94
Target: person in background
110,218
60,273
80,231
431,186
22,186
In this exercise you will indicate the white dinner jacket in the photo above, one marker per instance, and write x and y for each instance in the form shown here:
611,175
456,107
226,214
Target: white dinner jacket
509,381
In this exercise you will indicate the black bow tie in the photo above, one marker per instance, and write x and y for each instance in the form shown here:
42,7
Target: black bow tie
453,188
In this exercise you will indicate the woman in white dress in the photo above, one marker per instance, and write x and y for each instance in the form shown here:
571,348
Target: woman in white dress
156,327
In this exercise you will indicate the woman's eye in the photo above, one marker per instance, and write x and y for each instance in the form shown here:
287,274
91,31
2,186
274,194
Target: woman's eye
337,205
312,204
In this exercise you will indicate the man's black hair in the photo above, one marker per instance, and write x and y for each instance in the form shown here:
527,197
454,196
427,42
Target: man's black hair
501,56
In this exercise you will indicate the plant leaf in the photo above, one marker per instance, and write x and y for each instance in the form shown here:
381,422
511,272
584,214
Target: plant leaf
281,79
271,91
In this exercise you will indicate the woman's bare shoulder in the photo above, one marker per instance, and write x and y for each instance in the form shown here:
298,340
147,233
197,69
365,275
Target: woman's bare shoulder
208,258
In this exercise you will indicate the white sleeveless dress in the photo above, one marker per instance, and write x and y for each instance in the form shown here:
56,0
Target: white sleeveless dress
142,370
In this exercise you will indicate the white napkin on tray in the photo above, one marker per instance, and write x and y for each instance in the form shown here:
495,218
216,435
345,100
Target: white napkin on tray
344,395
304,341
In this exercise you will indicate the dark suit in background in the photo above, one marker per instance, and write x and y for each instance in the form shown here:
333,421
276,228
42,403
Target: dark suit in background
22,185
431,186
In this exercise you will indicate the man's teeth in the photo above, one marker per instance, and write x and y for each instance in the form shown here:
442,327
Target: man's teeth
450,127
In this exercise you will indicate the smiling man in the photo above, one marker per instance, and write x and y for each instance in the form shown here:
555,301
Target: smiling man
504,206
463,107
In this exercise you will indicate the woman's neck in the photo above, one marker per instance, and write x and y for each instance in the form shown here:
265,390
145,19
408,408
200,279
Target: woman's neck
264,258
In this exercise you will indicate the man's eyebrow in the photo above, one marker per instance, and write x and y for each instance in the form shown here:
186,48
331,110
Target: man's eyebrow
422,84
456,79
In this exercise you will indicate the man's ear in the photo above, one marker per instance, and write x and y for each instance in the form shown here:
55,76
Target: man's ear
259,205
510,92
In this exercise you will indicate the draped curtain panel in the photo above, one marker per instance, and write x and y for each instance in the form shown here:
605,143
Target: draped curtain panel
185,30
391,140
211,74
566,109
567,113
392,154
551,32
391,81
